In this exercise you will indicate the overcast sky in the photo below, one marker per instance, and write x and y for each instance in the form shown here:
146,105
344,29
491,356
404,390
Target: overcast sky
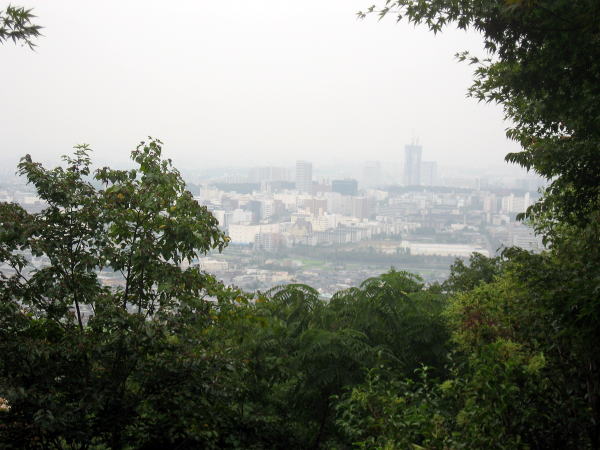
244,82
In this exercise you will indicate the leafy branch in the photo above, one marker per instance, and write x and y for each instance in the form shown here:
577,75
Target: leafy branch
16,25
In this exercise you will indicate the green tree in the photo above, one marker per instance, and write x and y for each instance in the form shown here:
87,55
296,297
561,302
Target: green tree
117,375
302,353
399,316
542,67
298,357
480,269
517,377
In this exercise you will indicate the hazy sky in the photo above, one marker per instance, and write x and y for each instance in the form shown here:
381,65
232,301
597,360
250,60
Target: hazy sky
241,82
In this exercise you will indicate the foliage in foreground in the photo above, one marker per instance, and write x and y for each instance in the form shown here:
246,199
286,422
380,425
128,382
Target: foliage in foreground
172,357
501,355
542,67
519,378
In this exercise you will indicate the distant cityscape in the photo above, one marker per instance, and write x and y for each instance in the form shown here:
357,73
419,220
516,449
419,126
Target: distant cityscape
288,226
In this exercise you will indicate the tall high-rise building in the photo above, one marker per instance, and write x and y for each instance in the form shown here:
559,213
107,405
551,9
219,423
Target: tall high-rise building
412,164
304,176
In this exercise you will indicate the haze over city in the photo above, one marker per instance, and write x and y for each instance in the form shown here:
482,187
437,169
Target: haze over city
242,83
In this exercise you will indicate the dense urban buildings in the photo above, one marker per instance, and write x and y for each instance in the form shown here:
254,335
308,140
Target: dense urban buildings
335,232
